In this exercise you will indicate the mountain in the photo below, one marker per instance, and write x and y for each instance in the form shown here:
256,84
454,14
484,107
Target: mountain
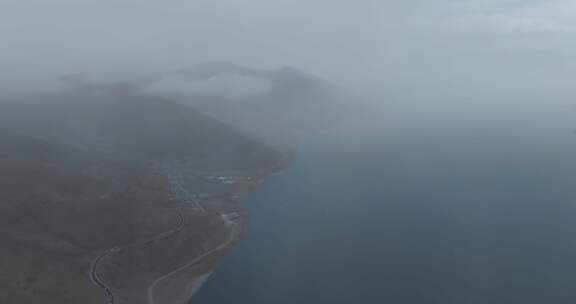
288,105
117,192
104,191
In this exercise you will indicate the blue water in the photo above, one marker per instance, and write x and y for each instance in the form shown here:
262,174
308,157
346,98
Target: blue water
457,210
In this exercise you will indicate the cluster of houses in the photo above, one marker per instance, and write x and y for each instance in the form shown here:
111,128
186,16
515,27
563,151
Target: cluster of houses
229,180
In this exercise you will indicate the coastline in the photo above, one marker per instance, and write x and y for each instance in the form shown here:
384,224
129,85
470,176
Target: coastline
235,200
198,283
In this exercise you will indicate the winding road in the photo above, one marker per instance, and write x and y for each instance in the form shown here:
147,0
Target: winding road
231,237
96,280
179,190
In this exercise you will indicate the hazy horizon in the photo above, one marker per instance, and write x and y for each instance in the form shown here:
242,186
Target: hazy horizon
377,48
426,150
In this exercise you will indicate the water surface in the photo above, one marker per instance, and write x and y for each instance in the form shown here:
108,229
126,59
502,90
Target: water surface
471,206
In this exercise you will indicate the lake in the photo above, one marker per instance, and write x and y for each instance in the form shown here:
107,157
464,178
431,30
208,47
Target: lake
468,205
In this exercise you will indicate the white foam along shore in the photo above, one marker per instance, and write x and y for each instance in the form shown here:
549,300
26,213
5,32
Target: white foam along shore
197,284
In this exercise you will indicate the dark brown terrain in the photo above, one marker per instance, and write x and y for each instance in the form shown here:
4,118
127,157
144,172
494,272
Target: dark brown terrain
111,195
84,174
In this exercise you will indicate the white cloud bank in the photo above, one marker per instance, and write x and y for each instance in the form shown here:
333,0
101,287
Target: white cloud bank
227,85
550,16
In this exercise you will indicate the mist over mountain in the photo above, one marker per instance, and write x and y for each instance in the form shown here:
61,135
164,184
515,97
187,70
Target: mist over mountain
108,186
427,149
280,106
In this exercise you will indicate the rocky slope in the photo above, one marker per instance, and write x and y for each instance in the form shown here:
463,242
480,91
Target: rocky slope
87,173
112,194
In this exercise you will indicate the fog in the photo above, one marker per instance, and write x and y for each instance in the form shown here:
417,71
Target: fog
401,151
443,47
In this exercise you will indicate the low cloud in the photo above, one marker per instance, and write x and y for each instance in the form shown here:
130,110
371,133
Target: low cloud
226,85
527,17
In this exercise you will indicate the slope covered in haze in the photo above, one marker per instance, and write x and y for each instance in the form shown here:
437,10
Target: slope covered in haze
280,106
112,192
85,172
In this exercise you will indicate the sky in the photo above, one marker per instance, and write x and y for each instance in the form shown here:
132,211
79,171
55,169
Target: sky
364,44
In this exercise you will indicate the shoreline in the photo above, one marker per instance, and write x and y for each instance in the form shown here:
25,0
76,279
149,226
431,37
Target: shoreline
286,160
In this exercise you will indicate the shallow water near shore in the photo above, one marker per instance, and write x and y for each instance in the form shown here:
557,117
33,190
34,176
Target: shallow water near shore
465,207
